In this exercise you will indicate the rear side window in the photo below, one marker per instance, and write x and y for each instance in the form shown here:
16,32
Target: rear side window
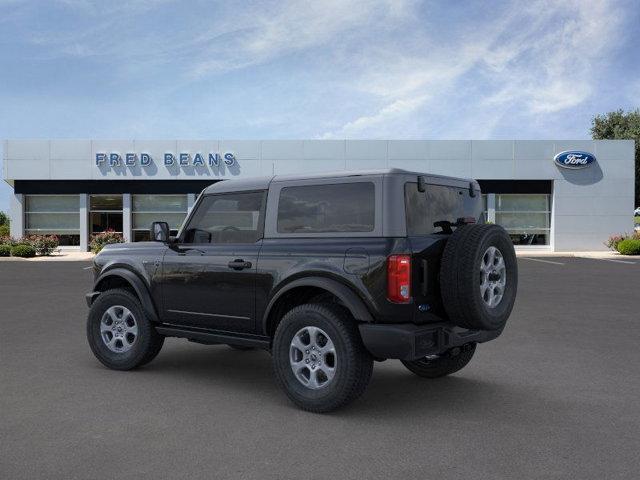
342,207
437,203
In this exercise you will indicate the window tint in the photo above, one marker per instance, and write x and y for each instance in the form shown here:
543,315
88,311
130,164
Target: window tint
227,218
344,207
437,203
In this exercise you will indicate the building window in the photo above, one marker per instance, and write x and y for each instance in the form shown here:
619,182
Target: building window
526,217
157,208
485,209
106,213
53,215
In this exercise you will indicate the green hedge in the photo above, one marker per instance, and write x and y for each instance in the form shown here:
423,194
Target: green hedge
5,250
629,246
24,251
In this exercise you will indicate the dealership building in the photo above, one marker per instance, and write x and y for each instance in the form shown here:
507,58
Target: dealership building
555,195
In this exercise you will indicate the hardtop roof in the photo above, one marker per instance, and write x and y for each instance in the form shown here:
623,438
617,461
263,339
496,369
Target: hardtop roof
262,183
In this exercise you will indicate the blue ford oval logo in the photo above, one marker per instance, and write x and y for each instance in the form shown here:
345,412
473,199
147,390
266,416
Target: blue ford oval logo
574,159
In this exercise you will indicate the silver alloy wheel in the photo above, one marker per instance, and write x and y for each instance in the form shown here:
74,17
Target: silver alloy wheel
118,329
493,277
312,356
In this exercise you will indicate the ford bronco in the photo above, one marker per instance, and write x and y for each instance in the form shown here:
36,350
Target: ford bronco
328,273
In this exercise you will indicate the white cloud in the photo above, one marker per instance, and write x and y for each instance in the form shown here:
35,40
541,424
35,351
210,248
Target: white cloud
542,57
389,62
293,26
552,65
394,110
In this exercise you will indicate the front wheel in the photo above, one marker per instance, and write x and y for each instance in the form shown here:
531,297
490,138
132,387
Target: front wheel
441,365
319,359
119,333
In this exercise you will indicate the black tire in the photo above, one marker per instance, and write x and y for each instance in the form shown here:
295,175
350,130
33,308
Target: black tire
446,364
461,278
147,344
353,364
241,348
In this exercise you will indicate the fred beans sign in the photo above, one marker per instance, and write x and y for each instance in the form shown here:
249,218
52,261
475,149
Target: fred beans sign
169,159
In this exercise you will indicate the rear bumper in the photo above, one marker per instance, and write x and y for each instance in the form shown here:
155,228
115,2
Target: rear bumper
406,341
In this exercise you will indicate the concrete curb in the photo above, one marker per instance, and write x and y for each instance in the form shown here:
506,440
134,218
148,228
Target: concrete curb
68,256
598,254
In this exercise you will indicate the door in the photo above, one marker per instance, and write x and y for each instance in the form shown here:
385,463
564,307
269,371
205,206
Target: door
209,274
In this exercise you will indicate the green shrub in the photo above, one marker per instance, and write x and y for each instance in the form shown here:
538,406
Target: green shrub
23,250
99,240
630,246
5,250
4,230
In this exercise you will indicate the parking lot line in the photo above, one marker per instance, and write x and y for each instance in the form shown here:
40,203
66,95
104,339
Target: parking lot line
613,260
540,260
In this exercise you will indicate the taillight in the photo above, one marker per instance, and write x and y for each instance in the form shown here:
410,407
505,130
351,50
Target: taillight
399,278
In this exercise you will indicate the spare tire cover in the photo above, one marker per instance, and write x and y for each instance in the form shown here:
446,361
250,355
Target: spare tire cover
479,277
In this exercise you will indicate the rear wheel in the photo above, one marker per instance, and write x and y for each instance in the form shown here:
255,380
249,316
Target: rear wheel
119,333
319,359
440,365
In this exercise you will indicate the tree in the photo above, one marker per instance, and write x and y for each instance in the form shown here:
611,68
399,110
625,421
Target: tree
4,224
620,125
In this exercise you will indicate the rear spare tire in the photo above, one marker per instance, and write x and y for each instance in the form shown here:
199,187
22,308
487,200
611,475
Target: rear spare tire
479,277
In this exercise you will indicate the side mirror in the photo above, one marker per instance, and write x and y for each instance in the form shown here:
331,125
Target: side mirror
160,232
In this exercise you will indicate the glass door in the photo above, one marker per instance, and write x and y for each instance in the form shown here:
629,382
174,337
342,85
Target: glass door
106,213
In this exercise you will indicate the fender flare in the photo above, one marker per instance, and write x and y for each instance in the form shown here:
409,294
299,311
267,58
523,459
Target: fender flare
346,295
138,285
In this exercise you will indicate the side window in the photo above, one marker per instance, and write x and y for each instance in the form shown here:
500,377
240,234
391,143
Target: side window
341,207
227,218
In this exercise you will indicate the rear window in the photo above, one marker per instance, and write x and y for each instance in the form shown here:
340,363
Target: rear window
437,203
343,207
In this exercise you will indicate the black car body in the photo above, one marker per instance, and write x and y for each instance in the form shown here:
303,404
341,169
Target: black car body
250,251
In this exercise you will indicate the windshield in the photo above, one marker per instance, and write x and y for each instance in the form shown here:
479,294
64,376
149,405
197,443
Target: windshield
438,203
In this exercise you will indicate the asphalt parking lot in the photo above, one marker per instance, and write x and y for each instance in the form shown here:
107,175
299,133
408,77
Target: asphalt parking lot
556,396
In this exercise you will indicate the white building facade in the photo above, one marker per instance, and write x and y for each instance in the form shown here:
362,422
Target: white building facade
549,194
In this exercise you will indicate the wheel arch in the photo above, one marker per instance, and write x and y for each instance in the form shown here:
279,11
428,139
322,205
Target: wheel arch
123,278
294,293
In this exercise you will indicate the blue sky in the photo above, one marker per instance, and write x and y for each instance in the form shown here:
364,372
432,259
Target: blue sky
321,69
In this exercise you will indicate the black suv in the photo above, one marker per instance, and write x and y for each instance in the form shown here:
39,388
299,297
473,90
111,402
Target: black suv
327,272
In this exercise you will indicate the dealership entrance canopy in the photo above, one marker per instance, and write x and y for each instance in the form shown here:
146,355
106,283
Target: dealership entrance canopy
554,195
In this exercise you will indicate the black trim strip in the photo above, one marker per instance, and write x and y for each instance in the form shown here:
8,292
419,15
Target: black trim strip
210,314
214,337
142,186
516,186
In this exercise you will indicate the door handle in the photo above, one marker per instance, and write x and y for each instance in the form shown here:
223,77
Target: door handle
239,264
